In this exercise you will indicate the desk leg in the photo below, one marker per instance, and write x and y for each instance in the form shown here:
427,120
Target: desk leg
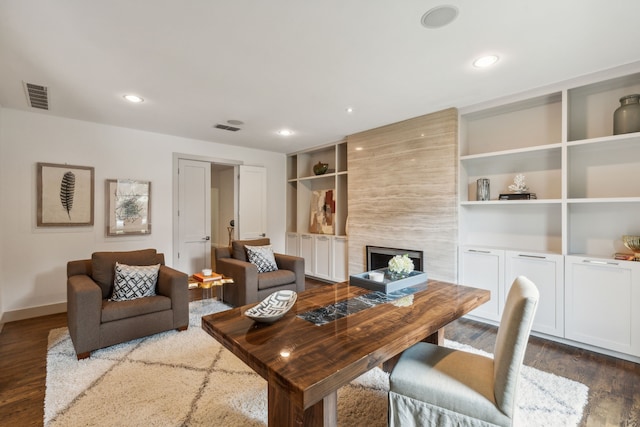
283,412
436,338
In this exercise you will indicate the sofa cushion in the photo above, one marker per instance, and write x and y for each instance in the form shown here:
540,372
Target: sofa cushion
103,265
262,257
116,310
239,252
275,278
134,281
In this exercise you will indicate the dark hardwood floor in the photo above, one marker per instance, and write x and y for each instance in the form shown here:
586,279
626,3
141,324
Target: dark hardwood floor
614,384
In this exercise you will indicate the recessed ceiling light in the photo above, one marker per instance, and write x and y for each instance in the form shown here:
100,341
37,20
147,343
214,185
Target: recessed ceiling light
133,98
485,61
439,16
349,110
285,132
235,122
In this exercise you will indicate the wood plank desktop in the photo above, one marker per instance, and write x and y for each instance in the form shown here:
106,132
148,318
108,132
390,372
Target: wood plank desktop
305,364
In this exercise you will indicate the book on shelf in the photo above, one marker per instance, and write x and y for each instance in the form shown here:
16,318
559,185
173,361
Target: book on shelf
625,257
202,278
517,196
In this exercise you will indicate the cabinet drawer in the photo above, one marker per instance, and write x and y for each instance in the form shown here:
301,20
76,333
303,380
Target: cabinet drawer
484,268
602,302
546,271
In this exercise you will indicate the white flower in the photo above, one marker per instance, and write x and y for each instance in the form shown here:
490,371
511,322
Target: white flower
518,184
401,264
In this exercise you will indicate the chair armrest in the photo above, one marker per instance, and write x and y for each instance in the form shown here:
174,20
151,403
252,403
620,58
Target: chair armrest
175,285
244,275
84,311
80,267
223,252
295,264
289,262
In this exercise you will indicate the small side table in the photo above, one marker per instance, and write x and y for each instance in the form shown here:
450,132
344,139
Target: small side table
208,285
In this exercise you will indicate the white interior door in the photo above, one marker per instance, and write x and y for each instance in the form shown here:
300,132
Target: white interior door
194,215
252,202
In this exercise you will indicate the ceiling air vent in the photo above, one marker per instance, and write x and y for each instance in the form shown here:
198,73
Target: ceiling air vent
227,127
37,95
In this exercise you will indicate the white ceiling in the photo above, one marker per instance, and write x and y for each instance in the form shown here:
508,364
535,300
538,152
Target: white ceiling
295,63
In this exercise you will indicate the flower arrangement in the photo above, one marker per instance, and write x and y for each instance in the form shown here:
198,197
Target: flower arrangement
518,185
401,264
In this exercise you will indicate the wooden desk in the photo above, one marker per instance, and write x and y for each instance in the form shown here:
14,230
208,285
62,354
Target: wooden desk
305,364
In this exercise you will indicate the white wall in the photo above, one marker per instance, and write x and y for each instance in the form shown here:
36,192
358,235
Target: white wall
2,209
33,260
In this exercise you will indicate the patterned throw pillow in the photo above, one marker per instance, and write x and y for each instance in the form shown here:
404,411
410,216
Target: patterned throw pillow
262,257
134,281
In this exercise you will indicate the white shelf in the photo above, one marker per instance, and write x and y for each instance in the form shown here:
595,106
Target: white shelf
603,200
524,152
302,182
512,202
609,139
584,177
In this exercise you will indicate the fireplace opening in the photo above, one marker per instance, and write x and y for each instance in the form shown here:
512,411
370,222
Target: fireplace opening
378,257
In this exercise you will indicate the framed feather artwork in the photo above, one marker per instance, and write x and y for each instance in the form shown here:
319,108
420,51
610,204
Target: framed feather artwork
65,195
128,207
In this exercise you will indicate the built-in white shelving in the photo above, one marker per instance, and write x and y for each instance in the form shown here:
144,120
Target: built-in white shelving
561,139
325,255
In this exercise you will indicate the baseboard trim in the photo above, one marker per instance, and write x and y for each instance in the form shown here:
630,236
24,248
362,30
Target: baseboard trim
28,313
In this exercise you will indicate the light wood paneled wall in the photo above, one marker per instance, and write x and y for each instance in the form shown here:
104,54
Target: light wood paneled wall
402,191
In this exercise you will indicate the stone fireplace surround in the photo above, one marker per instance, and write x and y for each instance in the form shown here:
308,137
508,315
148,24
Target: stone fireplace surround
402,191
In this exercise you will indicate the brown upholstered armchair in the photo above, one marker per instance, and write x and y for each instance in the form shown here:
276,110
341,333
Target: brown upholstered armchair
95,321
251,286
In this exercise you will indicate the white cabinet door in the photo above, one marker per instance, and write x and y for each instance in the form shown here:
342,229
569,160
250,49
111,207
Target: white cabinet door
484,268
546,271
194,216
291,244
603,303
322,256
339,260
252,202
306,252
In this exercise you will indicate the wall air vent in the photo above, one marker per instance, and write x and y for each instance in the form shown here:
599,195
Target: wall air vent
37,95
227,127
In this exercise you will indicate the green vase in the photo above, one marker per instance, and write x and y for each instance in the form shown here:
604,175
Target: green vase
320,168
626,118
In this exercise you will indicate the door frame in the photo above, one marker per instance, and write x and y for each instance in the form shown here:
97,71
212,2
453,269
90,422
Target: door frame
175,192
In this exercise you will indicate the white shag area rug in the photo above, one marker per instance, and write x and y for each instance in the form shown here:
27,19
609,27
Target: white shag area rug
188,379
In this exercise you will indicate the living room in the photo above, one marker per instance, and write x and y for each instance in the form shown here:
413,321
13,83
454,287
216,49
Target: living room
139,142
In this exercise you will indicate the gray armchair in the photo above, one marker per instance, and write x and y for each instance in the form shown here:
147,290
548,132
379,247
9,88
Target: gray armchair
249,285
437,386
96,322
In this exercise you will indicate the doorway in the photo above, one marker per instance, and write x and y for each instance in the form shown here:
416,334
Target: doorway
205,203
223,202
214,202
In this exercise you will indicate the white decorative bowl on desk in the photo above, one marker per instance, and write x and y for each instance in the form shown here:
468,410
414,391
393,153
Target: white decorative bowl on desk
272,307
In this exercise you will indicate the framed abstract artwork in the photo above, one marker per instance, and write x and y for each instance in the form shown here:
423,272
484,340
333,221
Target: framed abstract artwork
65,195
128,207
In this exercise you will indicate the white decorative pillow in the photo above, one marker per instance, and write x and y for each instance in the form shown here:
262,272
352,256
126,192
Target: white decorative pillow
134,281
262,257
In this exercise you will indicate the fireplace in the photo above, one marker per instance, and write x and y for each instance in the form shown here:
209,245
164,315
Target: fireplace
378,257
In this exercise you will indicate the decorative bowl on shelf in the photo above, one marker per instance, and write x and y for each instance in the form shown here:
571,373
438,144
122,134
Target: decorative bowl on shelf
320,168
272,307
633,243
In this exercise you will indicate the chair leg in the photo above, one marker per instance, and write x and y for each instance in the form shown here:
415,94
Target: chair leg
182,328
83,355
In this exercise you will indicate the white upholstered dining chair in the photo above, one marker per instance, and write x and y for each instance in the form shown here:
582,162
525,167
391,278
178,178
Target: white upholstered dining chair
438,386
